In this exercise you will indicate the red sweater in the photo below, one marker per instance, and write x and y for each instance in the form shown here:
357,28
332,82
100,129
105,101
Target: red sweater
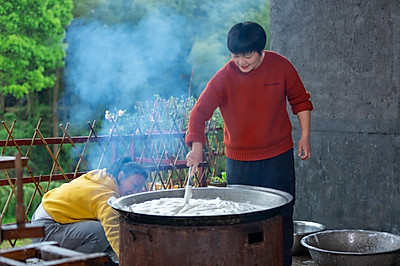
253,106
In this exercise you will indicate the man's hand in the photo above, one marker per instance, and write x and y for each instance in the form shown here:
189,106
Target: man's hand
195,157
304,149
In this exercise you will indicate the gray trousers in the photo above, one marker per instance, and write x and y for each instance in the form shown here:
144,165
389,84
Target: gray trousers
86,237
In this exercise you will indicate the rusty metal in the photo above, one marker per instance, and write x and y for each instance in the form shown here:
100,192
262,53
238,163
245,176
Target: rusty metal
252,238
257,243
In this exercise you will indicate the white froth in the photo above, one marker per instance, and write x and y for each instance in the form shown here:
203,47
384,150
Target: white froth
195,207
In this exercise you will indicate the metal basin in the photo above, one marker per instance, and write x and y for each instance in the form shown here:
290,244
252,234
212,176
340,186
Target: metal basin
352,247
300,230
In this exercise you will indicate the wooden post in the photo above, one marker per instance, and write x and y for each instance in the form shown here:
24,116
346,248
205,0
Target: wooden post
20,208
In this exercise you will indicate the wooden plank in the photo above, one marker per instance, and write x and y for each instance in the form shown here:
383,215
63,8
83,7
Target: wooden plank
7,261
7,162
19,253
84,259
51,254
28,230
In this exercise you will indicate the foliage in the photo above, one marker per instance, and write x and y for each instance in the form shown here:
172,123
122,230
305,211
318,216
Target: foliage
18,243
24,129
221,179
21,128
31,45
209,45
9,215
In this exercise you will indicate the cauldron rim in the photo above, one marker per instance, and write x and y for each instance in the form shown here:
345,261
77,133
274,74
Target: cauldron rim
211,220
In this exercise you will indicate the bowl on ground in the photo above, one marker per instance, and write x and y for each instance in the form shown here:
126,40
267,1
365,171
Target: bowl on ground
352,247
300,230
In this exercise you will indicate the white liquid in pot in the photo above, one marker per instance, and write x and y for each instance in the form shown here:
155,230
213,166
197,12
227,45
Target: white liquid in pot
195,207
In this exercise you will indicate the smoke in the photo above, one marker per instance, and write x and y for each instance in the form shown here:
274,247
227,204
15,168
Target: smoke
143,51
120,64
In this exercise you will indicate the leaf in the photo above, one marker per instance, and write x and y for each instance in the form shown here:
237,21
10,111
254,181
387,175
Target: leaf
31,45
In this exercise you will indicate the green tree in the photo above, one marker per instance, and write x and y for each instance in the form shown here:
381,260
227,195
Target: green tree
31,47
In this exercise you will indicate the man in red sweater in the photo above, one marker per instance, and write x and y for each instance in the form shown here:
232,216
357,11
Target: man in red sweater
251,91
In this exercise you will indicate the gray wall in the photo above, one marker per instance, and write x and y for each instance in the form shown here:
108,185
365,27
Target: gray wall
348,55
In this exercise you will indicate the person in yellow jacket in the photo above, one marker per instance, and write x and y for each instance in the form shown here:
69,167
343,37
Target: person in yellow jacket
77,215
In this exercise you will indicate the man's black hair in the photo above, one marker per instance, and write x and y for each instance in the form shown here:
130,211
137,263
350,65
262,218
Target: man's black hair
246,37
126,165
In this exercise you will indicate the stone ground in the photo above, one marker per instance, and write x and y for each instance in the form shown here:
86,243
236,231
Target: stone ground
306,260
302,260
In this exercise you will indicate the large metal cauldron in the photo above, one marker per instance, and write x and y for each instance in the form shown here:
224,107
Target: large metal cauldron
253,238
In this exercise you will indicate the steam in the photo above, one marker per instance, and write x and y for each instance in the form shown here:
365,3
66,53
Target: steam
113,65
116,63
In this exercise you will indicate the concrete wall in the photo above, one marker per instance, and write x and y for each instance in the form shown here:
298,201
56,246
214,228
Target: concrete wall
348,55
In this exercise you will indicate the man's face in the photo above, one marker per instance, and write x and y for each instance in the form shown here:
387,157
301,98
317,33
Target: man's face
247,62
131,185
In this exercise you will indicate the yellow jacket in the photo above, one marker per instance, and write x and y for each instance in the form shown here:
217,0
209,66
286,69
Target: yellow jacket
85,198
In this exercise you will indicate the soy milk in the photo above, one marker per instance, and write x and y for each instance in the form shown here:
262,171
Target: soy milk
195,207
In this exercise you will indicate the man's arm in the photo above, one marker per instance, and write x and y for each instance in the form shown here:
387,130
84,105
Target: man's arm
304,149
